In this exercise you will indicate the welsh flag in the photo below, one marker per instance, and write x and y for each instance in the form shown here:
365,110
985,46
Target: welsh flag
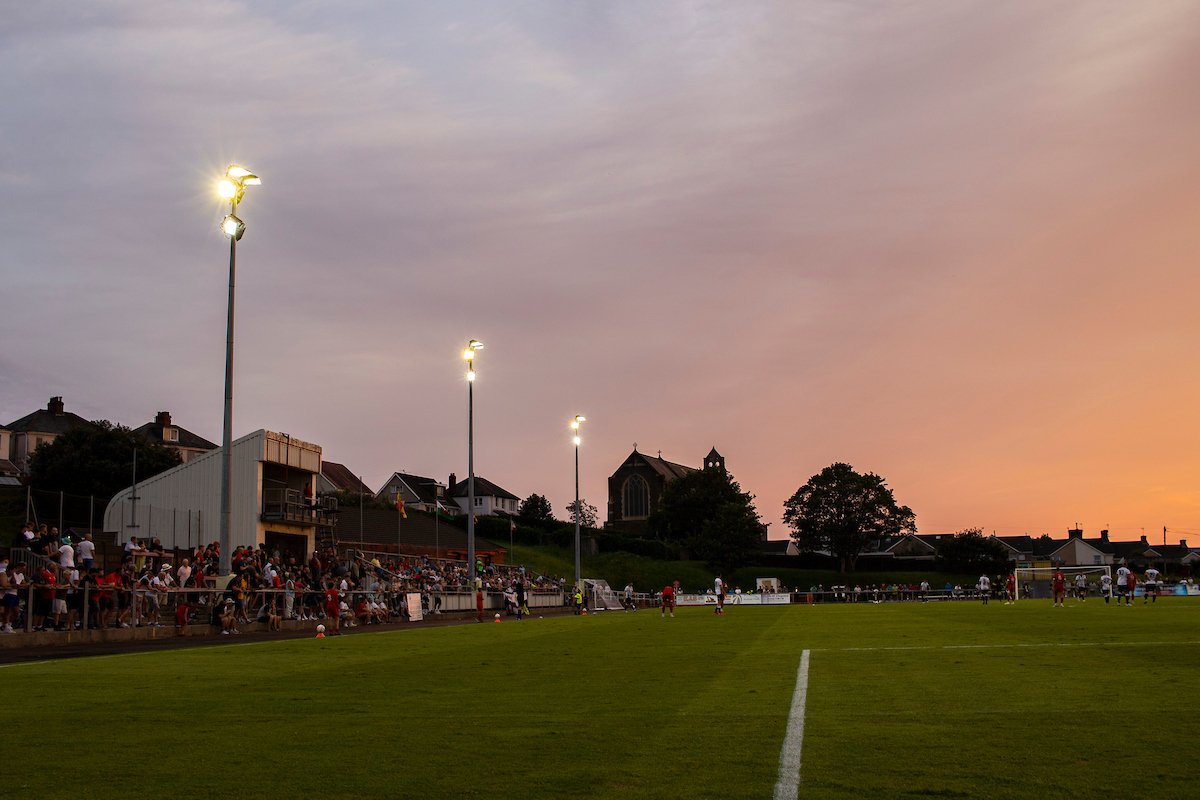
400,506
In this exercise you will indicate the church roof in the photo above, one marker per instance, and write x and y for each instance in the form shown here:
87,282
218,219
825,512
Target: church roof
668,469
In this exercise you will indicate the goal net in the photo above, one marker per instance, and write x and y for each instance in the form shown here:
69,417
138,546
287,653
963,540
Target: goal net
1035,582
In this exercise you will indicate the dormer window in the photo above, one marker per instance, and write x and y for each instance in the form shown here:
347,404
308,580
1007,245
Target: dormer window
172,434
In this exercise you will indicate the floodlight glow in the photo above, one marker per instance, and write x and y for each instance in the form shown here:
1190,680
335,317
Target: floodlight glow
471,375
227,189
578,441
233,227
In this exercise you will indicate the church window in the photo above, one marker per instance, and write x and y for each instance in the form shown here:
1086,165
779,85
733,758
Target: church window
635,498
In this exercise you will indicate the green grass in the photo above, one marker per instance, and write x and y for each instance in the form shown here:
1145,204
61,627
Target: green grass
905,700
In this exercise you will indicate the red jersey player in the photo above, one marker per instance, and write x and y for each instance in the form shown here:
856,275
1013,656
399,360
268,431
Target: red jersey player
1059,582
1010,588
668,601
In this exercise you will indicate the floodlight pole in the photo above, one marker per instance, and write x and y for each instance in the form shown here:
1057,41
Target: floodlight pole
227,432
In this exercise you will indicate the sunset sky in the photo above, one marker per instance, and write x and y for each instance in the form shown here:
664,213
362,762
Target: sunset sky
956,244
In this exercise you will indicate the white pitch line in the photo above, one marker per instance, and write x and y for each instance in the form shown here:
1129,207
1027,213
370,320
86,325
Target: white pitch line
997,646
787,786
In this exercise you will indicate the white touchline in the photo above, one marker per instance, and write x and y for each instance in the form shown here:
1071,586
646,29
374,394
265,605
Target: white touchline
787,786
999,646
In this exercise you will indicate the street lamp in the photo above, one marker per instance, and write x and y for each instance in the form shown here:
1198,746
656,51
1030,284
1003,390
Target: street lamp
575,423
473,347
231,188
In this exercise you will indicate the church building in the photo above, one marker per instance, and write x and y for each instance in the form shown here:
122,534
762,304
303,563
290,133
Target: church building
636,488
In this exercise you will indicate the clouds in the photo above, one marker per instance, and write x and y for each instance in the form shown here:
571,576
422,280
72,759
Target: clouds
931,241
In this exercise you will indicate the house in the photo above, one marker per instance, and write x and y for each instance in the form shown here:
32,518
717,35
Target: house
489,498
417,492
635,489
272,499
9,474
335,477
41,427
179,439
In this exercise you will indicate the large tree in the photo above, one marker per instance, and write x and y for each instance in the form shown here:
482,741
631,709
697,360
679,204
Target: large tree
97,461
971,551
536,508
707,512
842,511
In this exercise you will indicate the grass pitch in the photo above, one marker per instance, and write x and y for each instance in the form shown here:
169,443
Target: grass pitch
904,700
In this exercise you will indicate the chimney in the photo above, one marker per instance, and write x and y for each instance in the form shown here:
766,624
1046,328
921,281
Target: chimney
450,483
1144,541
1183,543
55,406
1104,535
163,420
1075,533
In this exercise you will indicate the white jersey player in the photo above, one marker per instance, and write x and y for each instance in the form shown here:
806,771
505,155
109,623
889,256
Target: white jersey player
1106,586
1151,586
985,588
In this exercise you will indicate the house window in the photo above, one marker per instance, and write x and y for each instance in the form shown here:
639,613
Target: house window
635,498
479,501
173,435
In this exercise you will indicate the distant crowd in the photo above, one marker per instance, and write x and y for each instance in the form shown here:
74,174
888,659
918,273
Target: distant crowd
268,586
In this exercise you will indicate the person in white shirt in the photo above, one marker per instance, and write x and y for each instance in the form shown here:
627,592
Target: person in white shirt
1081,586
985,588
66,555
1122,581
719,590
1106,586
1151,586
87,552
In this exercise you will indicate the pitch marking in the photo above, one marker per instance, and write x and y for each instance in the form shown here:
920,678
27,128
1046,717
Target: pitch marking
997,646
787,786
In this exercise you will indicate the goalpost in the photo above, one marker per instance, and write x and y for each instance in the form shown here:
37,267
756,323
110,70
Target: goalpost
1033,583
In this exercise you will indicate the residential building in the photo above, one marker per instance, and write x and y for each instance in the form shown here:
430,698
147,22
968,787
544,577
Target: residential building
337,477
417,492
179,439
489,498
41,427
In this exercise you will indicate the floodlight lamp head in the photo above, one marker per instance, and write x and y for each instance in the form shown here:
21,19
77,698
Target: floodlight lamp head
233,227
242,175
578,441
474,344
470,375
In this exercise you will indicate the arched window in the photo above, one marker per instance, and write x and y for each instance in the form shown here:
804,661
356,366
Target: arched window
635,498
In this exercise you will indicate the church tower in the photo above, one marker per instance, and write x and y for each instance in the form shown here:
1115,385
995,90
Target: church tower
714,460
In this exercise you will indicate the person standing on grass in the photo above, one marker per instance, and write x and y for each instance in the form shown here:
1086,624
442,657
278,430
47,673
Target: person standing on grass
985,587
1081,587
1106,587
668,601
333,606
1122,581
1130,587
719,589
1059,585
1151,586
1010,589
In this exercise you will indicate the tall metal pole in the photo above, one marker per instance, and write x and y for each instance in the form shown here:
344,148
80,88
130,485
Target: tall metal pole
227,434
577,509
471,479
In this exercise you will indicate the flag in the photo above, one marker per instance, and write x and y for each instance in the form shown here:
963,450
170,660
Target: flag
400,506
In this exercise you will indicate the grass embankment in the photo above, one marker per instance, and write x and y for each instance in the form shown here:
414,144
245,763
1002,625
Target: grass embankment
650,574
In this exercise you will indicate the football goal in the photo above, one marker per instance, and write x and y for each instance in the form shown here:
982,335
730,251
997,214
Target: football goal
1034,583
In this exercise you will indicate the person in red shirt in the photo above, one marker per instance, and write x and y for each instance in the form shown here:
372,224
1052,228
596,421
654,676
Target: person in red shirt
1059,583
1010,588
1130,586
668,601
333,606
